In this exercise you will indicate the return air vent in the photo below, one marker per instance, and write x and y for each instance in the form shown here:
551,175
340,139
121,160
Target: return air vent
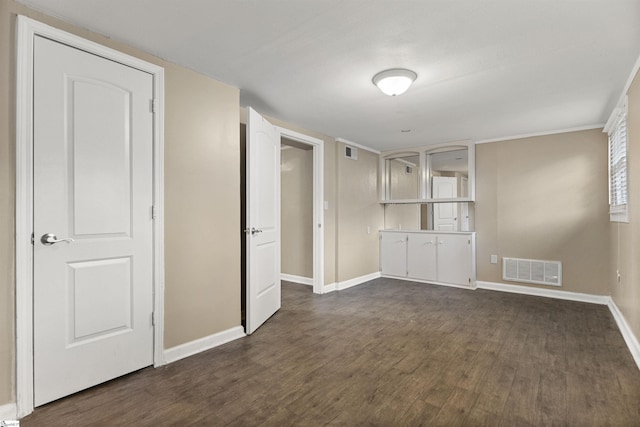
351,152
532,271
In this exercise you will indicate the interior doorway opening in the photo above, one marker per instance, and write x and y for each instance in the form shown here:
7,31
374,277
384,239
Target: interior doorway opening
315,148
296,207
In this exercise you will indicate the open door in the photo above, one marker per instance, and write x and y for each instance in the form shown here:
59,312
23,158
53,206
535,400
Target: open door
263,220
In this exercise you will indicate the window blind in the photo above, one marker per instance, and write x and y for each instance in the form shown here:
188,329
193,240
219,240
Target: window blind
618,194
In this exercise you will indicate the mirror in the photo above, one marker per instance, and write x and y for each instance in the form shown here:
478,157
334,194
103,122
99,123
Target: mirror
447,216
403,177
448,174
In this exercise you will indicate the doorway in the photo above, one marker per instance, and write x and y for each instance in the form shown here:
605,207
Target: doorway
296,207
317,150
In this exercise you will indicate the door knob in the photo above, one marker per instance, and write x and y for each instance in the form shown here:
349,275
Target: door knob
252,230
51,239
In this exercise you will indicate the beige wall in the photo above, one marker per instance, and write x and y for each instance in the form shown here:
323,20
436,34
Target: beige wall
402,216
202,207
545,198
296,199
201,190
358,208
625,238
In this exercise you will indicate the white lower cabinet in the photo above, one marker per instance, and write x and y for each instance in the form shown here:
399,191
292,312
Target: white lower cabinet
437,257
422,259
393,259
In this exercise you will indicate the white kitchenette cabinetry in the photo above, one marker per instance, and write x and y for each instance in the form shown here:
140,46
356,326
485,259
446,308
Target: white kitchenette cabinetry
446,258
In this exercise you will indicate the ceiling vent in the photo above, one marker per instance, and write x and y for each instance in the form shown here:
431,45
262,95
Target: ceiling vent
351,152
532,271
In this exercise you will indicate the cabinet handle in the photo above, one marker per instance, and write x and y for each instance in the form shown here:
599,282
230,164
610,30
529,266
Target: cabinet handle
430,242
441,242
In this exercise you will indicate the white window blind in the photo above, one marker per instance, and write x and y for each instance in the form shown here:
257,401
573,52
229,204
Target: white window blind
618,182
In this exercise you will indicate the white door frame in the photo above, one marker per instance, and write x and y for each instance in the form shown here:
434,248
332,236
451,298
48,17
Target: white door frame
318,203
27,29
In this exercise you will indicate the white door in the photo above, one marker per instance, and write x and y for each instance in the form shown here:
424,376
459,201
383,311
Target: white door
263,220
93,131
454,259
421,256
393,254
445,215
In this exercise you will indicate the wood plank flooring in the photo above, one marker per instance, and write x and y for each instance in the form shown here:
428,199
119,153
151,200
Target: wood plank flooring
387,353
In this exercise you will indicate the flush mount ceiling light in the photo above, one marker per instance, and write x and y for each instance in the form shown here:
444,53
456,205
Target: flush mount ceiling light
395,81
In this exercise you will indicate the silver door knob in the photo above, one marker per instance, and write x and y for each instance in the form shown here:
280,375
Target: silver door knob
252,230
51,239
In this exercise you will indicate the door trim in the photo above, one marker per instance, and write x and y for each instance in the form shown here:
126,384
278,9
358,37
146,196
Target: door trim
318,203
27,29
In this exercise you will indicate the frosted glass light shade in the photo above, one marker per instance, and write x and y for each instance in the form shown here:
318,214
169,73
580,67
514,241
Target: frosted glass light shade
394,82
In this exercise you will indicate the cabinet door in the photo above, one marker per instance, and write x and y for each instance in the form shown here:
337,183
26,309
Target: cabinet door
454,259
421,256
393,254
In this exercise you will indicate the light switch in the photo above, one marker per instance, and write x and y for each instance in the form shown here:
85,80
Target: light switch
494,259
326,205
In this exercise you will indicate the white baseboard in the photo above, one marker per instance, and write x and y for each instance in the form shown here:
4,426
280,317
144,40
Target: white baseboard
429,282
194,347
8,412
625,330
548,293
297,279
331,287
357,281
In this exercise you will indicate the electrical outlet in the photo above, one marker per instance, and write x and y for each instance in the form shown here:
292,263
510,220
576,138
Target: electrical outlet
618,275
368,230
494,259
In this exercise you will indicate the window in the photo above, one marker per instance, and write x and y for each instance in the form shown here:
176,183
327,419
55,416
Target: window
618,177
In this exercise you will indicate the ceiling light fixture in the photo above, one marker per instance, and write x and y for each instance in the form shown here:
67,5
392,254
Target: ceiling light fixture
395,81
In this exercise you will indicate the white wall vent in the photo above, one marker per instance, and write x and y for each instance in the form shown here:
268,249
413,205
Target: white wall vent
532,271
351,152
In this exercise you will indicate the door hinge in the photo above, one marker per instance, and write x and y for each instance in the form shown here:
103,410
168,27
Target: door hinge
33,238
152,105
153,318
153,212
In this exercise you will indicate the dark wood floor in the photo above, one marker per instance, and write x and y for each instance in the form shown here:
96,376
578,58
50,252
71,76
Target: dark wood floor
387,353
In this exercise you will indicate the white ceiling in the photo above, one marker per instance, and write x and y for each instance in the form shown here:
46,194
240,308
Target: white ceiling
486,68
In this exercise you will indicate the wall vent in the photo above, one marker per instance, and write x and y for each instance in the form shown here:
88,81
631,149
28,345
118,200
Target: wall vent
351,152
532,271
